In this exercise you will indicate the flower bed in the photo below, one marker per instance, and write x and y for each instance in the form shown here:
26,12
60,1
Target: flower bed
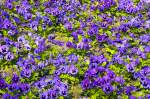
75,49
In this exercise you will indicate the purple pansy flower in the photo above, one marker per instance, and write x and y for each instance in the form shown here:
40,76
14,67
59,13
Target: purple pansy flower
9,56
86,84
101,38
4,49
7,96
13,87
44,95
3,84
130,68
108,88
26,73
72,70
24,87
15,78
120,80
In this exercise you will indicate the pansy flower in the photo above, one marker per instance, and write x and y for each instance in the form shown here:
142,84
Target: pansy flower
4,49
40,84
63,93
99,82
70,44
26,73
129,89
52,94
110,74
7,96
44,95
120,80
9,56
13,87
130,68
72,70
3,84
24,87
147,49
101,38
86,84
146,83
93,72
108,88
63,69
15,78
34,25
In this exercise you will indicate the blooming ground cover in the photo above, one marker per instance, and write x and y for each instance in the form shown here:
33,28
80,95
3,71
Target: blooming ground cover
75,49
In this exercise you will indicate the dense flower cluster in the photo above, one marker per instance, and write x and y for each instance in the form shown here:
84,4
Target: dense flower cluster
64,49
